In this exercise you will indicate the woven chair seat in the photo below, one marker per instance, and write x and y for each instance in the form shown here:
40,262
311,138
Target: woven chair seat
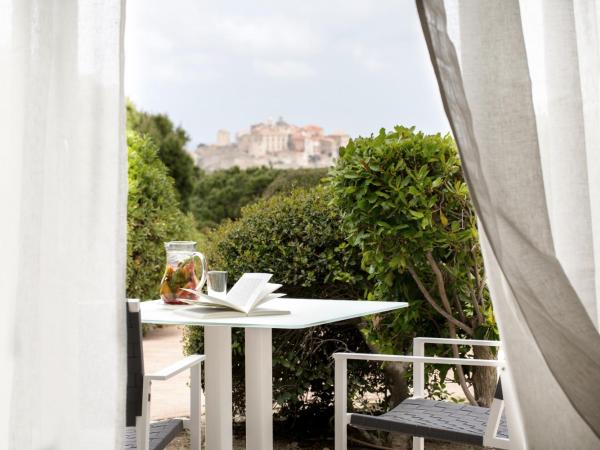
161,434
433,419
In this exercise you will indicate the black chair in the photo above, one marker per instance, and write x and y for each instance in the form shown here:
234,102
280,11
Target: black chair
422,418
140,434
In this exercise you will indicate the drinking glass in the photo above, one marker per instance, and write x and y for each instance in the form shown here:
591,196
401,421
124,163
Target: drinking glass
217,283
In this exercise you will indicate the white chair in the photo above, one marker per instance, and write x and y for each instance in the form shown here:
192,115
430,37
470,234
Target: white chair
418,416
140,434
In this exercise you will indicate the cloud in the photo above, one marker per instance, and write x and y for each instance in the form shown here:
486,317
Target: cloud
368,58
284,69
270,35
351,64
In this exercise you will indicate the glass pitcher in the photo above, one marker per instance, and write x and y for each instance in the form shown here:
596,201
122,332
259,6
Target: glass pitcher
186,268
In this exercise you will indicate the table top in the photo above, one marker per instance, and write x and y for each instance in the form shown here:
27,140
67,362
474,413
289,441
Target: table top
304,313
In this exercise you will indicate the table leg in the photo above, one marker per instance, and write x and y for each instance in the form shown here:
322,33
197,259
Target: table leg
259,389
195,423
219,418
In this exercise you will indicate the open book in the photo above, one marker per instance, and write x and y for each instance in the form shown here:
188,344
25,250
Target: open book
245,298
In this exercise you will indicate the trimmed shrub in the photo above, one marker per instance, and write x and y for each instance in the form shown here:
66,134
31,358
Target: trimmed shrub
406,206
153,217
298,238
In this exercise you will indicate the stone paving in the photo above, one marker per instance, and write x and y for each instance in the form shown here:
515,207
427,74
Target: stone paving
162,346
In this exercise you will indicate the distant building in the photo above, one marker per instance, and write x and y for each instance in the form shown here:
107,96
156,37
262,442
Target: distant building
223,138
272,143
268,138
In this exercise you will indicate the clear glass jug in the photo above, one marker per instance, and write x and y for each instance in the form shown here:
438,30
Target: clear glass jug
186,268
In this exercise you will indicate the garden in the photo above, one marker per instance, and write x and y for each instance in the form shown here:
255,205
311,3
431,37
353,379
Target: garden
392,220
425,289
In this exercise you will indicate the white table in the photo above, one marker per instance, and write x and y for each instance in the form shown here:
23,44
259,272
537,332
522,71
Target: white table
304,313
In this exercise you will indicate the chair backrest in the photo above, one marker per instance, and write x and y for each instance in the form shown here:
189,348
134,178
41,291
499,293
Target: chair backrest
135,363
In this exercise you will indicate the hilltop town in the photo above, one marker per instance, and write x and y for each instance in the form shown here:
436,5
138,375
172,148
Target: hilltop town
272,143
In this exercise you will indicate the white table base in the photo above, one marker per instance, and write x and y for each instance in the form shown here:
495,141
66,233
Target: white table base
259,389
219,416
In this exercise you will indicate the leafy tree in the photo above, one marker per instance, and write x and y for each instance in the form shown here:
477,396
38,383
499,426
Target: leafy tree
407,207
298,238
221,194
171,142
290,179
153,217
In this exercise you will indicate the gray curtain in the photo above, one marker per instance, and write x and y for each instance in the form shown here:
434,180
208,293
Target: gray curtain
519,81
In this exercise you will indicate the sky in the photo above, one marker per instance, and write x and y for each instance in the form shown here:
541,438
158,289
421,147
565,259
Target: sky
349,65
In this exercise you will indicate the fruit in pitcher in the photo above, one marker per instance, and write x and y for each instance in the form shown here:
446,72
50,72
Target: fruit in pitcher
177,278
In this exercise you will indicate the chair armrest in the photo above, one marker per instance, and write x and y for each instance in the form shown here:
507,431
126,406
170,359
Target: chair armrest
419,359
175,368
471,342
419,351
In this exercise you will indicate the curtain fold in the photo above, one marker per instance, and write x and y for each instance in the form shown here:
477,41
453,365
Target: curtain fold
63,180
519,81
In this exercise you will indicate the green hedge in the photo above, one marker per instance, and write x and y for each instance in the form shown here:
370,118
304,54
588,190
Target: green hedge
153,217
298,238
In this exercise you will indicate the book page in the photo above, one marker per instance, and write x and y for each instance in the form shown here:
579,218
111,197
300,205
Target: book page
260,311
247,292
268,298
251,290
267,293
204,300
207,312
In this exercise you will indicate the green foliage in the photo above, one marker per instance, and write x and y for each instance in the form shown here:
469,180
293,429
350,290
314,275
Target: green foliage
171,142
221,194
288,180
298,238
406,206
153,217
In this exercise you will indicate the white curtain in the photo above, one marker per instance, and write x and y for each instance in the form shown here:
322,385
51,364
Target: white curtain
63,171
520,82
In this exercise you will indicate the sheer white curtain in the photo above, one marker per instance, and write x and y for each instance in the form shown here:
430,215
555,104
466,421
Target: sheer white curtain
520,84
63,171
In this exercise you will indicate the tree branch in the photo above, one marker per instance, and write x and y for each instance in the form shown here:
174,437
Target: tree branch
481,288
442,291
439,277
459,307
479,285
434,304
476,308
459,369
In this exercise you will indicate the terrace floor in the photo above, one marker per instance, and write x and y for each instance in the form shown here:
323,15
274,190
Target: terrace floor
163,346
